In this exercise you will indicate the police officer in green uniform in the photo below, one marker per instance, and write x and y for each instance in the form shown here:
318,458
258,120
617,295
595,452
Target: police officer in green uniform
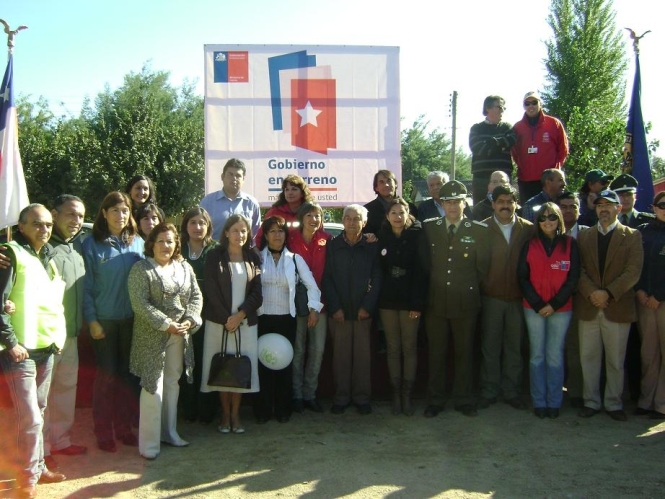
626,187
455,251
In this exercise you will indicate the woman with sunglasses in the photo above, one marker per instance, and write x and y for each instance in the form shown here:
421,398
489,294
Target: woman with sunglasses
651,314
548,271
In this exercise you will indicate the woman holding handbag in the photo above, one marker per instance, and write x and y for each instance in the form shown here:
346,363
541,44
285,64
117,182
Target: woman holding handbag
167,307
232,288
280,271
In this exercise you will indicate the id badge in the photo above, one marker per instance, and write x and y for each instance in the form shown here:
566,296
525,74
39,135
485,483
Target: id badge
532,150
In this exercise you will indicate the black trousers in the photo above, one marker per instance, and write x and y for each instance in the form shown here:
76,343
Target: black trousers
276,386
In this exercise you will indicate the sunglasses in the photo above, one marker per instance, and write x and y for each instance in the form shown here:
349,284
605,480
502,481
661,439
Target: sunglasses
660,206
530,103
551,217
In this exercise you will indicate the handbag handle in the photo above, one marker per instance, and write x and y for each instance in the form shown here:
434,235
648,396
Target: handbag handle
225,341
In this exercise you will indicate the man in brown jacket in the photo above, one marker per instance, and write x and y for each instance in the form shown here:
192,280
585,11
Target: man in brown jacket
502,314
611,256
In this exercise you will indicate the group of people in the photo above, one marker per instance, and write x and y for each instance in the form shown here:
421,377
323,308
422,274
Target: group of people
159,301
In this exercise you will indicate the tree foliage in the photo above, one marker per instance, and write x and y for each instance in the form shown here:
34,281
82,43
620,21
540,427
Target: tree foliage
424,151
144,127
586,66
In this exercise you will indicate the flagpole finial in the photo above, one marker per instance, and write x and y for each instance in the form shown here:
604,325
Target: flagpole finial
11,34
636,39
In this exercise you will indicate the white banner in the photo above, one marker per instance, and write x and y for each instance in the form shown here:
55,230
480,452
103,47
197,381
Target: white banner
327,113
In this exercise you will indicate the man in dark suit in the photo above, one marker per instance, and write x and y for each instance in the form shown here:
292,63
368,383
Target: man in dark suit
456,252
626,187
611,256
433,207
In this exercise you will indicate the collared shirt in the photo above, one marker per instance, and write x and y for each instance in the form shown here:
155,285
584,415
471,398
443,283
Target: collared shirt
609,229
220,207
506,229
573,231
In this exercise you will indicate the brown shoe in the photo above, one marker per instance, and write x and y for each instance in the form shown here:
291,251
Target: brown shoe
49,476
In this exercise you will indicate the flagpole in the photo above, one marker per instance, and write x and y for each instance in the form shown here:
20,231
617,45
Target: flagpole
11,34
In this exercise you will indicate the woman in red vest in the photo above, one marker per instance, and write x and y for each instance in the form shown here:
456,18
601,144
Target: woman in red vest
548,271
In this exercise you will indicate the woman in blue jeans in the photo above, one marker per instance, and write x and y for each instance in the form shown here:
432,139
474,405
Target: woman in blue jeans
548,271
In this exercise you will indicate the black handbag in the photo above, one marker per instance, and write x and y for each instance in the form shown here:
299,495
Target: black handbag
301,300
229,370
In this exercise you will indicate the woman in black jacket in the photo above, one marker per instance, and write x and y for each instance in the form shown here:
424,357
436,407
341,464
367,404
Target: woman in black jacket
402,298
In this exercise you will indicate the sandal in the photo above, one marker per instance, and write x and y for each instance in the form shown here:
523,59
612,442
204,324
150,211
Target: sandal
238,429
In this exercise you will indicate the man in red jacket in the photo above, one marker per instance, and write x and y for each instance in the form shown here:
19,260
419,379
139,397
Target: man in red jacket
541,144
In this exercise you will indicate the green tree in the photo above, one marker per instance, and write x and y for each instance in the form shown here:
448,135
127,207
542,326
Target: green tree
586,65
424,151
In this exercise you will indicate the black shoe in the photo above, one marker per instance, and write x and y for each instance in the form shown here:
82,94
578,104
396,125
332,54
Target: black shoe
364,409
516,403
467,409
656,415
642,412
431,411
129,439
313,405
552,413
576,402
617,415
484,403
107,445
297,406
338,408
587,412
540,412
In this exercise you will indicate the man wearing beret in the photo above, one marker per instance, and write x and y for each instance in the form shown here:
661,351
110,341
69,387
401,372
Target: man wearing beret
611,256
455,251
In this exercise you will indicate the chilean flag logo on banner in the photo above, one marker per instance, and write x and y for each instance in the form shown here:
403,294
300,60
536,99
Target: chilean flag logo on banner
304,101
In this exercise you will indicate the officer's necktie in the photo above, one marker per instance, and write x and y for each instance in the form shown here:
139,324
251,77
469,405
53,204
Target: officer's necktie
623,219
451,232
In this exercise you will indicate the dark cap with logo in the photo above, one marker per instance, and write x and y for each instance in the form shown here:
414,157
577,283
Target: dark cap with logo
624,183
452,190
607,194
597,175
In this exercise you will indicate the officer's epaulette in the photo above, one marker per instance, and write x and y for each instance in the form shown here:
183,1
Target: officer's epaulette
434,219
482,224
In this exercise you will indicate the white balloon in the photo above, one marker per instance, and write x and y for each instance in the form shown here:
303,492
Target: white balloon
275,351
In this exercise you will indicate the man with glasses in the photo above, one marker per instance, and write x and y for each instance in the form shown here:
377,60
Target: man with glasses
541,144
490,142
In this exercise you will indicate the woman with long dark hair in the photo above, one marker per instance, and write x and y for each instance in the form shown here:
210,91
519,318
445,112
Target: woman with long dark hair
197,241
109,256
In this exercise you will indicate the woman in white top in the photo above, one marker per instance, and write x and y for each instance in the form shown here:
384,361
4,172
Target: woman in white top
278,314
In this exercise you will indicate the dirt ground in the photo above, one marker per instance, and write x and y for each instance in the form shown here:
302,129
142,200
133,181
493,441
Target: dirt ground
501,453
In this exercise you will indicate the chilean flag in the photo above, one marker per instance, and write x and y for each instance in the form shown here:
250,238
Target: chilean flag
314,114
13,192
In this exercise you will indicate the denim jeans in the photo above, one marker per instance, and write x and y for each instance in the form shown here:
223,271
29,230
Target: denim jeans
547,336
29,382
313,341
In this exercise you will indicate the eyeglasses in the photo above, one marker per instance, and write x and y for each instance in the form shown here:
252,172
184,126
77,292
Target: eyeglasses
660,206
530,103
500,108
551,217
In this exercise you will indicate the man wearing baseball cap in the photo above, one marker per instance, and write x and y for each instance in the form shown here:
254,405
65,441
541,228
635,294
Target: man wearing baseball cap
611,256
541,143
455,250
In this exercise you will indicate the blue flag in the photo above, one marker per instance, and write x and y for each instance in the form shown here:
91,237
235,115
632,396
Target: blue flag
636,159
